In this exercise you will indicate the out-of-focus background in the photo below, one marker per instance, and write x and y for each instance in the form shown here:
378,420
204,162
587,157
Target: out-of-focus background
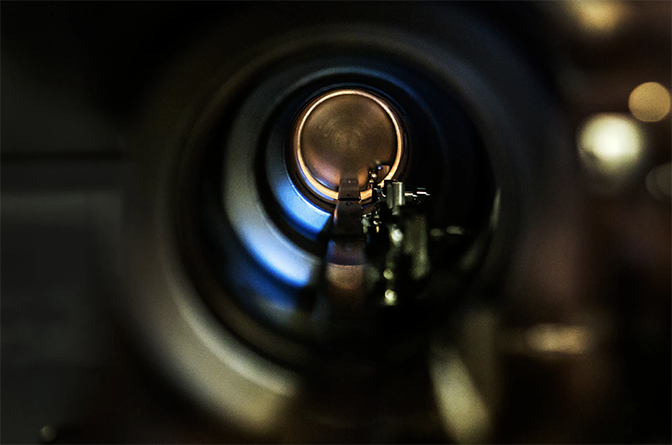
75,78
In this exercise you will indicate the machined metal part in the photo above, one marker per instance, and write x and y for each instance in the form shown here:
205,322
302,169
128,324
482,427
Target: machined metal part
395,196
396,210
226,378
346,133
345,268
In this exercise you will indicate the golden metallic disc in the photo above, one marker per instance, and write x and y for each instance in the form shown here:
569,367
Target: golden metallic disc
346,134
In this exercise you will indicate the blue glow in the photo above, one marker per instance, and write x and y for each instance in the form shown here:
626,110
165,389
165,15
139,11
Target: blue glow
261,290
302,212
267,244
276,253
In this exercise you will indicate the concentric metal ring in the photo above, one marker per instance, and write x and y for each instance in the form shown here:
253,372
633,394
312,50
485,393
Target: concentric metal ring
346,132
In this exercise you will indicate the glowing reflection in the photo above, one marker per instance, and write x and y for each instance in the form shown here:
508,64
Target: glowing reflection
269,246
611,144
659,182
563,339
597,16
464,413
649,102
302,212
48,433
390,297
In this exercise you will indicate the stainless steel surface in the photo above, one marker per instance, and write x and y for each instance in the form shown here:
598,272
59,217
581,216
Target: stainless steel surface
396,196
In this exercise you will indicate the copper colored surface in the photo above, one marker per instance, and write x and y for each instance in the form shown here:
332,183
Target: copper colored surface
346,133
